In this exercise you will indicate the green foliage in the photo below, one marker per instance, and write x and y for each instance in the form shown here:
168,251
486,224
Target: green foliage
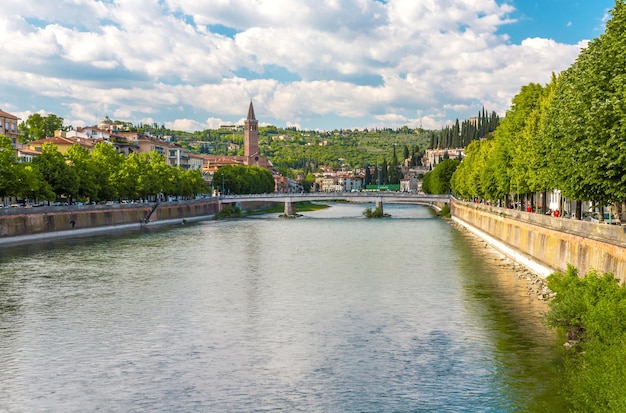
97,176
445,211
567,135
229,211
39,127
462,134
239,179
592,310
375,213
439,179
61,177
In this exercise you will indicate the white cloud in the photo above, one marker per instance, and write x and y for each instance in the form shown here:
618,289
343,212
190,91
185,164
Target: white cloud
188,125
352,59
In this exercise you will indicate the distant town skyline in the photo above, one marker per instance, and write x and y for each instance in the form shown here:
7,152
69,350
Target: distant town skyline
308,64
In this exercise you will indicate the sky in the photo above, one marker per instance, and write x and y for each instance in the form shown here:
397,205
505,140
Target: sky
310,64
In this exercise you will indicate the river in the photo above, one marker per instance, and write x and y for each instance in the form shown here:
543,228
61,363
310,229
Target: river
330,312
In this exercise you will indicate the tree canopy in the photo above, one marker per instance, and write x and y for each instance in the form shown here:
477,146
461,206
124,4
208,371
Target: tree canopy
239,179
39,127
100,175
569,134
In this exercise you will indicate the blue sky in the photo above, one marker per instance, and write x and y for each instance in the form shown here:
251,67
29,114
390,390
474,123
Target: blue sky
313,64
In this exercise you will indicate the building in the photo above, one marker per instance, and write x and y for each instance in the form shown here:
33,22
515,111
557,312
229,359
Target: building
409,184
63,144
350,183
8,126
251,142
251,156
433,156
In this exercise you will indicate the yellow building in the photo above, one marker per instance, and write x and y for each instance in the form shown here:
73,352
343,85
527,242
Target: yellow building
63,144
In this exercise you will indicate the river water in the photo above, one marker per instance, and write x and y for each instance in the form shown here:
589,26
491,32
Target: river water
330,312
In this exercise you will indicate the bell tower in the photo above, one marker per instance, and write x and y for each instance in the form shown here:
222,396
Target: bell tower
251,137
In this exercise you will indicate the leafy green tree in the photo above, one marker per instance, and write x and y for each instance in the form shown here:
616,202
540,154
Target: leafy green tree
9,174
56,172
39,127
79,160
586,119
130,178
438,180
32,184
106,162
239,179
308,182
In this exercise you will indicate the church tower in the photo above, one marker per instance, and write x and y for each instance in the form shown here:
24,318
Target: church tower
251,138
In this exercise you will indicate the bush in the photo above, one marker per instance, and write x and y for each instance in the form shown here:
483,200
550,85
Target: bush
445,211
592,312
229,212
376,213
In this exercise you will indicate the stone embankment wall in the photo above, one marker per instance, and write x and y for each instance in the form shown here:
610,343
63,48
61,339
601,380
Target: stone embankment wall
29,221
16,222
552,242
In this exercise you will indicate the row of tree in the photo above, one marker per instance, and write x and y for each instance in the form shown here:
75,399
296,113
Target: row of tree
460,135
239,179
100,175
568,135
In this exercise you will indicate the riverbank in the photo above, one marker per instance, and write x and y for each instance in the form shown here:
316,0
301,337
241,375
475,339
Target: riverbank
536,285
547,244
86,232
24,225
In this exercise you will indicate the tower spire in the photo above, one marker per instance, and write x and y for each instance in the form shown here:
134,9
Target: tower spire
251,112
251,137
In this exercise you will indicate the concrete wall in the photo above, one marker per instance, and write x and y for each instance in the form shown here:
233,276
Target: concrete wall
31,221
15,222
552,242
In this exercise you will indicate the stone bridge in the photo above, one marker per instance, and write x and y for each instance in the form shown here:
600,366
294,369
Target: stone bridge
358,197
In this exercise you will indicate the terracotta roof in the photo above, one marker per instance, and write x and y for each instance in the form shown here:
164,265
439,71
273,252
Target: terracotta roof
58,140
28,151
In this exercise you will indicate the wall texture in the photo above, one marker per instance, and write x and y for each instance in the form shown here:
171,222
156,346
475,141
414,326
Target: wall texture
16,222
553,242
32,221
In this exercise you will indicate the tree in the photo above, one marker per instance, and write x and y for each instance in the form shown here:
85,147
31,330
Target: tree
511,163
32,184
107,162
438,180
239,179
130,178
10,177
56,172
586,119
79,160
39,127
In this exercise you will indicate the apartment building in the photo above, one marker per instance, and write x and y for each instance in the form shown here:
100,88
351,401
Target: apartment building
8,126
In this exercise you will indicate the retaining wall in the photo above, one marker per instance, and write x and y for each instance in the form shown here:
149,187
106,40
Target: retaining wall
19,222
552,242
29,222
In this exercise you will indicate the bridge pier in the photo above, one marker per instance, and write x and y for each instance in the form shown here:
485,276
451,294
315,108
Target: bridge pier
290,208
379,204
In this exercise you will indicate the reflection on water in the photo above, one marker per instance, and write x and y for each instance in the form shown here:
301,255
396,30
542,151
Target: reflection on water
331,312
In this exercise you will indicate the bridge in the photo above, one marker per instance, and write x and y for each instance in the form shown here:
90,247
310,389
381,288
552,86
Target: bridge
358,197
